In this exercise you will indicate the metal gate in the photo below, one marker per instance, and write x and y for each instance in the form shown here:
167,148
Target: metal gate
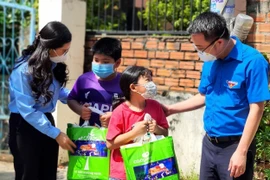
17,30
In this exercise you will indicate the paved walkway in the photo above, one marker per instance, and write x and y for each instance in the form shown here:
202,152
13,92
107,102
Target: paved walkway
7,171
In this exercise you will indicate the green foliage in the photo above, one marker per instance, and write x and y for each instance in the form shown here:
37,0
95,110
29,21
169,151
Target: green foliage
104,15
15,19
263,139
169,12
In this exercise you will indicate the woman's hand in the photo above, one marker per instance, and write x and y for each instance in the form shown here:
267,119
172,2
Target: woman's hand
64,142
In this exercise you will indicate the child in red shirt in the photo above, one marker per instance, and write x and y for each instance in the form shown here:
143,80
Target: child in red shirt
127,120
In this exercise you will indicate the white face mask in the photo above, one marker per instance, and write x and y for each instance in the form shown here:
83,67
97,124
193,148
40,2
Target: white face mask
206,56
59,59
151,90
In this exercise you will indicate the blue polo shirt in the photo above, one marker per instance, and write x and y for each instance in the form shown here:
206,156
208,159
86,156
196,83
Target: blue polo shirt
229,86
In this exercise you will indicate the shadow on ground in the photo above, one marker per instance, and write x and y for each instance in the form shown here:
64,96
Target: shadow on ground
7,176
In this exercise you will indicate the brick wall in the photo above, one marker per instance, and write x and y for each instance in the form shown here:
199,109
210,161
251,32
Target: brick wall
259,36
173,60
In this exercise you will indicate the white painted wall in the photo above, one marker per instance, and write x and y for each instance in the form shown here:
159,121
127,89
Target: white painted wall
72,13
187,131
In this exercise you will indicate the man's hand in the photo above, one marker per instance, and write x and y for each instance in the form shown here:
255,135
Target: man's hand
86,112
237,164
64,142
105,119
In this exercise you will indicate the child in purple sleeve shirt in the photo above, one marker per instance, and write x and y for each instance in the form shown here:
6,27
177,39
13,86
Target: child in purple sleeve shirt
98,87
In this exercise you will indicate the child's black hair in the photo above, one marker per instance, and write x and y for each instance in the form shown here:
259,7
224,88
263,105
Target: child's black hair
131,76
109,47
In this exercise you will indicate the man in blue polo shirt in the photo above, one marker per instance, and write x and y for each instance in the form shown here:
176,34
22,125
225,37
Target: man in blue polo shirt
233,88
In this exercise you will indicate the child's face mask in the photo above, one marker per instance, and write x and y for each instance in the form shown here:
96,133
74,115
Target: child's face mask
102,70
151,90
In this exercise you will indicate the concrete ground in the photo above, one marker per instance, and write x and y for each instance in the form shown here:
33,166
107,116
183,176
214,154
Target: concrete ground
7,171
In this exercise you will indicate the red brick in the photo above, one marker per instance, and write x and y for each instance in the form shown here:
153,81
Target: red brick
127,53
154,71
127,39
151,45
171,64
143,62
265,27
161,45
192,90
151,54
267,38
258,17
268,17
177,89
186,65
176,55
197,83
162,55
140,54
173,45
125,45
159,80
178,74
262,47
164,72
253,28
171,82
121,68
157,63
186,82
129,61
191,56
187,47
256,38
140,39
137,45
162,88
198,66
193,74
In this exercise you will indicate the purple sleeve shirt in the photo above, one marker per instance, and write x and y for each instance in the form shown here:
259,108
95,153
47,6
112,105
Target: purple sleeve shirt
99,94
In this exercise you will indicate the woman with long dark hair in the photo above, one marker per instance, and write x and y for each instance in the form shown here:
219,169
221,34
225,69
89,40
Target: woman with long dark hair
36,83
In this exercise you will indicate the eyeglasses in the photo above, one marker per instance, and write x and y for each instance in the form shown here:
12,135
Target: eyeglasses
213,42
210,43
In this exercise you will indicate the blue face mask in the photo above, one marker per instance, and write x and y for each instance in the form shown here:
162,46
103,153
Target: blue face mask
102,70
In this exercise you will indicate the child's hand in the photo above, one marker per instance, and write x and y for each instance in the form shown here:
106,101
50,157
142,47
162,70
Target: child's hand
152,126
86,112
140,128
105,119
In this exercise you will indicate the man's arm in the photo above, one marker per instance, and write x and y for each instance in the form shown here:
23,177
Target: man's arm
190,104
238,161
251,126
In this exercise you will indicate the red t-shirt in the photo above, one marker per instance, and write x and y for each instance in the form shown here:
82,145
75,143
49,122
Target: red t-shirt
121,122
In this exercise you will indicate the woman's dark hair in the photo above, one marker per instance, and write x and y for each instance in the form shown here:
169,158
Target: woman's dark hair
52,36
109,47
130,76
